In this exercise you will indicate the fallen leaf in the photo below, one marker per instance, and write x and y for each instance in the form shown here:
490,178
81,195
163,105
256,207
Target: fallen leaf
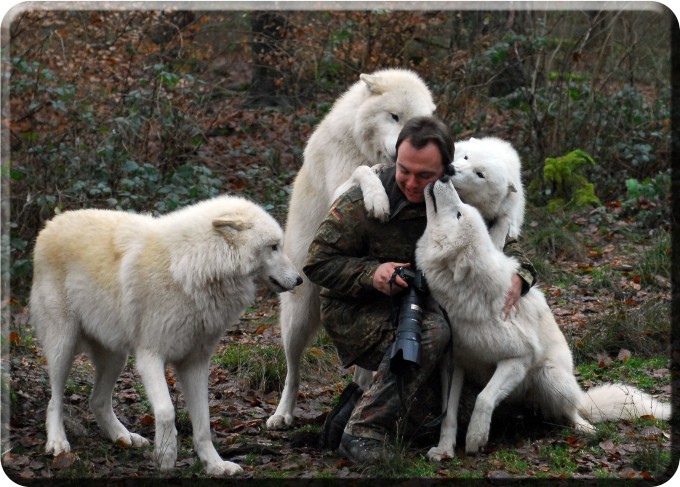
64,460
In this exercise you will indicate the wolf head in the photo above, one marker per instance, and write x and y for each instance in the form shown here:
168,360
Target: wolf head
231,238
261,248
453,228
390,98
487,175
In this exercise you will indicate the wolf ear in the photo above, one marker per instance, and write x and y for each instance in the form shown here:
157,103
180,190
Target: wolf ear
223,223
512,188
372,82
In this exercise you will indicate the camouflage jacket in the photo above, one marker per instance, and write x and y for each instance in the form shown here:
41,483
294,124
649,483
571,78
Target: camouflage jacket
349,245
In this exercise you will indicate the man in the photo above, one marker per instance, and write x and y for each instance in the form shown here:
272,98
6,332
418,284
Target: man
354,257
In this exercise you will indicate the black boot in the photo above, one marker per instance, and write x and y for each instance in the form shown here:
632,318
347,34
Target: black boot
338,417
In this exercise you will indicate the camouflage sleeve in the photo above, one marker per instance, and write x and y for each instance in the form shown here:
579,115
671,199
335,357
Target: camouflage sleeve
526,269
337,258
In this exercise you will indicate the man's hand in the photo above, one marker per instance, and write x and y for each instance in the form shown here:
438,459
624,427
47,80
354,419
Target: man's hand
512,296
382,276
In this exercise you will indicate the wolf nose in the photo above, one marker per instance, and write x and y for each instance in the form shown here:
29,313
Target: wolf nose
445,178
298,281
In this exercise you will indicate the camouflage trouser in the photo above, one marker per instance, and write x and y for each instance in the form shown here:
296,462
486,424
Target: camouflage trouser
390,396
361,332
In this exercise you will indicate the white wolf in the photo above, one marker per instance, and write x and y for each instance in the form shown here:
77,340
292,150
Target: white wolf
488,176
525,358
109,283
360,130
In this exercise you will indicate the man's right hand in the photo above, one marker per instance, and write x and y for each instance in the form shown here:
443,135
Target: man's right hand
382,276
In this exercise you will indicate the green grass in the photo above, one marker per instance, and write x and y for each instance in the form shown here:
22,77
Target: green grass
643,329
635,371
264,366
655,260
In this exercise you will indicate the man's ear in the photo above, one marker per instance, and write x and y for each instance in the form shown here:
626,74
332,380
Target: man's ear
225,223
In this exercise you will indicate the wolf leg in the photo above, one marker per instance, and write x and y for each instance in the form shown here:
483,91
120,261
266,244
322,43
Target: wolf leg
151,367
59,352
300,320
193,380
108,366
508,375
449,428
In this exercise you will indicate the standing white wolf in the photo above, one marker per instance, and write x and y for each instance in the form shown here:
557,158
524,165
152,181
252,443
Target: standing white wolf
109,283
525,357
360,130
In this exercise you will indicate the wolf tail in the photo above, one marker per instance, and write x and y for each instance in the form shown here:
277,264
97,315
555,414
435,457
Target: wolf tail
609,402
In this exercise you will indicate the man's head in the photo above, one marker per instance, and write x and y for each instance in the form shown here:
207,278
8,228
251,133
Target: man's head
424,153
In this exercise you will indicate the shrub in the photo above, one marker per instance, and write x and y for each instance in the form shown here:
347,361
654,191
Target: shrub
564,184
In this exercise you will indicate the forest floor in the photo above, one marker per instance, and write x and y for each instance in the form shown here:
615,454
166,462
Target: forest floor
521,446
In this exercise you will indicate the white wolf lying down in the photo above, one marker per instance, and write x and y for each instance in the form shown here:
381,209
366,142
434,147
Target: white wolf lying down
487,176
525,358
109,283
360,130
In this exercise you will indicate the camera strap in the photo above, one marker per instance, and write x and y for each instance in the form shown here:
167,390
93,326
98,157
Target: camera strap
449,370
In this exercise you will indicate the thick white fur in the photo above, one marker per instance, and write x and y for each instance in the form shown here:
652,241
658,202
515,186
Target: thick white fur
526,357
360,130
110,283
488,177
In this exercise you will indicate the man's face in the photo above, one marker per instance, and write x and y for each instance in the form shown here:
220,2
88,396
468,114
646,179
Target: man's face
416,168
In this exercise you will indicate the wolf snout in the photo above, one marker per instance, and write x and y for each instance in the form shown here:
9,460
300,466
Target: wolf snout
288,285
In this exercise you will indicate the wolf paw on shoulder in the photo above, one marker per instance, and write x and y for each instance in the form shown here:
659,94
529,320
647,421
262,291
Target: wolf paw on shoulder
377,204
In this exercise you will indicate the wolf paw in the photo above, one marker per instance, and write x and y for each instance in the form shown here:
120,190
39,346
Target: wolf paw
132,440
165,460
475,441
585,427
279,421
437,454
221,469
378,206
381,168
56,447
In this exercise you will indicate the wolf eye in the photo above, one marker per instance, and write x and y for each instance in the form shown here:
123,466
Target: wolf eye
458,215
395,117
465,157
275,248
480,174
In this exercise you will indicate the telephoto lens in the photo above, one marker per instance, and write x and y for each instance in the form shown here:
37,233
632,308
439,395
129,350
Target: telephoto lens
406,351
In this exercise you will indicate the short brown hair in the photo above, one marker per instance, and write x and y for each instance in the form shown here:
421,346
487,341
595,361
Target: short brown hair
420,131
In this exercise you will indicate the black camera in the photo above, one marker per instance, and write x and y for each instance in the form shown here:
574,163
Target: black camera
406,348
